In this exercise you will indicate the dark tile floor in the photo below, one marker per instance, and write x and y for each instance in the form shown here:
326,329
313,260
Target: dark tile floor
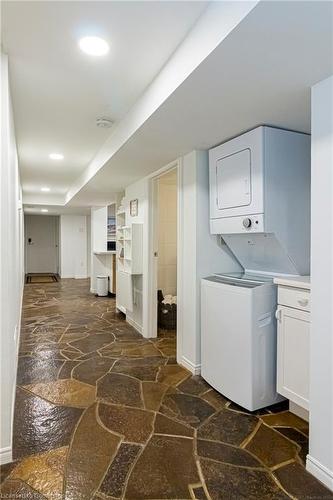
102,413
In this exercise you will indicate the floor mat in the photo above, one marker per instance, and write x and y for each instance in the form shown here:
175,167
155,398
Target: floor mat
41,278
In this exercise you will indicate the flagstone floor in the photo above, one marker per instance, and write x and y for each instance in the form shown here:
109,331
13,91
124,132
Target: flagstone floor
102,413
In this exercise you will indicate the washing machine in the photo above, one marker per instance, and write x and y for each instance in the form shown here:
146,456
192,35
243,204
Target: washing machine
238,337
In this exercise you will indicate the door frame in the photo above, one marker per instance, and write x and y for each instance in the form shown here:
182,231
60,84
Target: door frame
150,329
57,240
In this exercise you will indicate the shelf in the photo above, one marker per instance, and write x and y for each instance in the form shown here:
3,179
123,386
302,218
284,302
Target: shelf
109,252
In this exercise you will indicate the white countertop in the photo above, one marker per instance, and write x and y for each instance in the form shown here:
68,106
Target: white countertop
294,281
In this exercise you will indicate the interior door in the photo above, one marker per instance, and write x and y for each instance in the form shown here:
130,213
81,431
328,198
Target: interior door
41,243
233,179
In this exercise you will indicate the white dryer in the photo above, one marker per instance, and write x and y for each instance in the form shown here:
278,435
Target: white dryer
238,338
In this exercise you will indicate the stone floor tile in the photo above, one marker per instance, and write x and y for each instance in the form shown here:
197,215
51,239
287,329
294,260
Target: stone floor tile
300,484
90,370
199,493
120,389
228,427
186,408
298,438
227,482
134,424
5,470
195,385
31,370
93,342
16,489
50,466
172,374
226,453
215,399
39,425
115,479
153,393
66,369
66,392
166,425
271,447
165,469
92,449
286,419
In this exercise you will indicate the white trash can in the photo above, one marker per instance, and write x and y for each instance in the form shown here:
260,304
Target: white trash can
102,286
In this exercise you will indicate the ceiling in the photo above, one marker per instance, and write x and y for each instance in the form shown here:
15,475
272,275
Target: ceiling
58,92
261,73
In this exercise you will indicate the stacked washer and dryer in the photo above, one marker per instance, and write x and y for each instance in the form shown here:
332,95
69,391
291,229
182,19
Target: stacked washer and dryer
260,205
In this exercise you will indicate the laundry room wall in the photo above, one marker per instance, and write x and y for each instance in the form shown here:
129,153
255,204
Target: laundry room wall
73,246
11,265
320,458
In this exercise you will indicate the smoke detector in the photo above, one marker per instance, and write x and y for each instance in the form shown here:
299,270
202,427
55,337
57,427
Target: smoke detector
104,122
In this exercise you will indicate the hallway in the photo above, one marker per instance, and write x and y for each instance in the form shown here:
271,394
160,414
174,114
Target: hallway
102,413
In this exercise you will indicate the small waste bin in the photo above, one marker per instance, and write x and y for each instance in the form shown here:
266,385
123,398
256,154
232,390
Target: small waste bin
102,286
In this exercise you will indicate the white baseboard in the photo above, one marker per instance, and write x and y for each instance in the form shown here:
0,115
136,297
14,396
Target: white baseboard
195,369
6,455
319,471
135,325
299,411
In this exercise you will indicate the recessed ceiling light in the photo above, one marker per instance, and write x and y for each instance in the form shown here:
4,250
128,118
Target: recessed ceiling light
45,189
44,210
94,46
56,156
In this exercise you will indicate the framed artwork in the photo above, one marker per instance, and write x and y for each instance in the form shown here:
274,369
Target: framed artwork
134,207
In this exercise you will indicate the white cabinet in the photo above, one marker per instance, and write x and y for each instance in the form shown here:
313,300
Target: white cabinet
293,340
129,249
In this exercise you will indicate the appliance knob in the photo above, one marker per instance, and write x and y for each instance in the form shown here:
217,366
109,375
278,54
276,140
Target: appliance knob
247,222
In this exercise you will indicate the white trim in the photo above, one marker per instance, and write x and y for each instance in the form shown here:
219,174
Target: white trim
195,369
299,411
135,325
320,472
6,455
180,260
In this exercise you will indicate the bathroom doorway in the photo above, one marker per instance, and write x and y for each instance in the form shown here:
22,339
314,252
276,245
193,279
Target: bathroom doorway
164,265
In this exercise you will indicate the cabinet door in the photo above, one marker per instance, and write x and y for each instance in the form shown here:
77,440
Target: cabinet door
233,178
293,355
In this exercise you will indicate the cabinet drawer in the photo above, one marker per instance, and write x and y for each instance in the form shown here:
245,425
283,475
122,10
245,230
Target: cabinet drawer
294,297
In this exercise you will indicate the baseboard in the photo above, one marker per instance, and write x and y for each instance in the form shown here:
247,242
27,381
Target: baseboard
195,369
319,471
6,455
135,325
299,411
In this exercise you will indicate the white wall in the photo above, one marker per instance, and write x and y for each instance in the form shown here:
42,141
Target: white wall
200,254
320,458
11,265
167,233
73,246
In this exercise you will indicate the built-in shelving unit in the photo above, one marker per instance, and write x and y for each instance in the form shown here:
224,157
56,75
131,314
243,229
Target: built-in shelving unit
129,249
129,258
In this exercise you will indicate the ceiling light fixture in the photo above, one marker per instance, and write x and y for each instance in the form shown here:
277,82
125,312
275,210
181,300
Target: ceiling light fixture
56,156
93,46
45,189
104,122
44,210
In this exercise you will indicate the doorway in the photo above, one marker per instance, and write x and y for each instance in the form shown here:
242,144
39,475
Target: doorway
41,244
165,252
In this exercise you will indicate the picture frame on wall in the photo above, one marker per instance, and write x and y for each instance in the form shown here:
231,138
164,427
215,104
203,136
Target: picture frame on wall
134,207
